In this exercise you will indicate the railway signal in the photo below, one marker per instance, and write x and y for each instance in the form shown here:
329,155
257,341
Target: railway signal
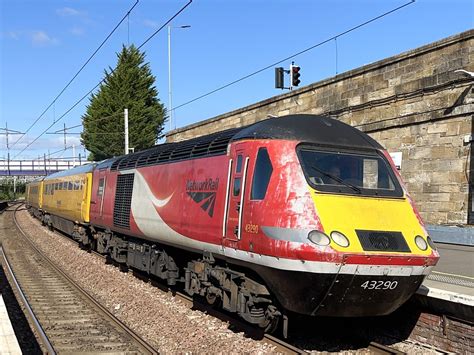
279,78
295,75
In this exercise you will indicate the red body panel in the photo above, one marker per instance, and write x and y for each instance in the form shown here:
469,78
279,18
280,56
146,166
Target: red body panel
190,199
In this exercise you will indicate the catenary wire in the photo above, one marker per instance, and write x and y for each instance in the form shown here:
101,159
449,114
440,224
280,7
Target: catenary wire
100,82
292,56
60,131
78,72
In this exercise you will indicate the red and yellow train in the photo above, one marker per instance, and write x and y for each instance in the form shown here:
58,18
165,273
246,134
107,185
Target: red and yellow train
300,214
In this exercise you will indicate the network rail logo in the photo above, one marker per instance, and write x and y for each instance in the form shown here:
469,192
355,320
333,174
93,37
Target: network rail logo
204,193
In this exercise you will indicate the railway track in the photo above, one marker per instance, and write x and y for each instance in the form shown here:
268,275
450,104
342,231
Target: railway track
65,317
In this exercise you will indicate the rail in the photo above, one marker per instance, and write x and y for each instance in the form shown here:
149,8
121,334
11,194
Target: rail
147,348
29,312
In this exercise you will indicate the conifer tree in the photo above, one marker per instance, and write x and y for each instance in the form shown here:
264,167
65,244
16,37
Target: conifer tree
130,85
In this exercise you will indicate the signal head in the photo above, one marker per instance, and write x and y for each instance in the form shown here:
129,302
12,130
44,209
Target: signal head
295,75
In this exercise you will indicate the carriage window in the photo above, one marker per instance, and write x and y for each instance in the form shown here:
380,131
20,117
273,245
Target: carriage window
237,184
238,167
261,176
69,185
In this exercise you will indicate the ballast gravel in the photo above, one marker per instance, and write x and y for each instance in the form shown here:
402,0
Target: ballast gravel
163,321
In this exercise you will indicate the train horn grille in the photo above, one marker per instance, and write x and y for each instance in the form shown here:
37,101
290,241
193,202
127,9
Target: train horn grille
382,241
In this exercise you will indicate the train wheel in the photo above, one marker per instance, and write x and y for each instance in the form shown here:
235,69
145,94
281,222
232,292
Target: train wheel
272,319
272,326
213,299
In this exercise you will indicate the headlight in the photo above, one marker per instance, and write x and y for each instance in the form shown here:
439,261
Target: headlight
431,243
421,243
340,239
319,238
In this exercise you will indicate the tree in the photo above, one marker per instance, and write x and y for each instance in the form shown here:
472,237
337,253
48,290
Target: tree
130,85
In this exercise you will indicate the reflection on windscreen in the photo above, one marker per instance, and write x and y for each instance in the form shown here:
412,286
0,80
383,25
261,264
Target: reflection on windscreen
348,172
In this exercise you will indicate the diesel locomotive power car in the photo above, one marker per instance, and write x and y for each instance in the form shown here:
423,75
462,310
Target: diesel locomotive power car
300,214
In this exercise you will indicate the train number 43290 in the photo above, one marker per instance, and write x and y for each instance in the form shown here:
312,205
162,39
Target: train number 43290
379,285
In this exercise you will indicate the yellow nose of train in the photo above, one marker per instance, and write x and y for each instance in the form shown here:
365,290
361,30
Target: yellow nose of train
349,219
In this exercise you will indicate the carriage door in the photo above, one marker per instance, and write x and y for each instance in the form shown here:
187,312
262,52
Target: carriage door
98,193
238,166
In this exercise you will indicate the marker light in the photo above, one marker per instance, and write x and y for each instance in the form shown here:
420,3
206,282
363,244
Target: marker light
340,239
431,243
319,238
421,243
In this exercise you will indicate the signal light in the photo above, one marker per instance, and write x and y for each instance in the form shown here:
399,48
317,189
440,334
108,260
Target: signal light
295,75
279,78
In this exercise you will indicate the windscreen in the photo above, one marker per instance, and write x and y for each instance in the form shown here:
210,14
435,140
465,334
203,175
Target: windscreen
349,172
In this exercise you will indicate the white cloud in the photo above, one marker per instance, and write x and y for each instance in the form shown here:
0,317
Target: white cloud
11,34
69,11
150,23
41,38
77,31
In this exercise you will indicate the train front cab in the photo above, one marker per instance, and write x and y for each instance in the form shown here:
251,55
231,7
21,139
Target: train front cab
66,199
368,218
326,244
34,197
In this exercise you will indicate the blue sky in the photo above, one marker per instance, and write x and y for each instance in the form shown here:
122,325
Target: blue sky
44,43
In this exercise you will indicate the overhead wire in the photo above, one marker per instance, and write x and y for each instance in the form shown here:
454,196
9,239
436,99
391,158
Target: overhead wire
101,81
293,55
80,125
77,73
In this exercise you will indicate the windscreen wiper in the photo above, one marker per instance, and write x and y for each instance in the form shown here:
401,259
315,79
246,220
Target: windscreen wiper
336,178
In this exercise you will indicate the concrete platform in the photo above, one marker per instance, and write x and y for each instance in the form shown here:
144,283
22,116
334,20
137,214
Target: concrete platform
449,289
8,341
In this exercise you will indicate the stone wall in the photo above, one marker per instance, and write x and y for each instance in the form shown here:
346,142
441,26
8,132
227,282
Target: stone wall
412,103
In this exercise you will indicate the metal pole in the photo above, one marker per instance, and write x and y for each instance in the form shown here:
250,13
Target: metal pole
73,155
125,113
6,133
64,136
170,102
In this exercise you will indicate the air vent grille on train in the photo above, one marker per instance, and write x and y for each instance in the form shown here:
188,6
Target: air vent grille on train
210,145
123,200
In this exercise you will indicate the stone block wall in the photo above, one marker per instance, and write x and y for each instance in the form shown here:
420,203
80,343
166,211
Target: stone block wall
412,103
